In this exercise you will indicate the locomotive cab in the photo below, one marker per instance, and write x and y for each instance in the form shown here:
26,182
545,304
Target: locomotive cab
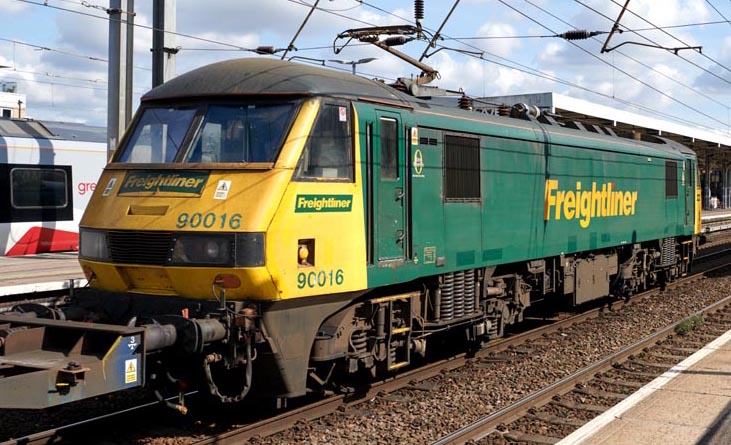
197,187
240,203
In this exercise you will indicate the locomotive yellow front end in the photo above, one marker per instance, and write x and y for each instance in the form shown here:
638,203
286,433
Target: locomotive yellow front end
231,225
223,195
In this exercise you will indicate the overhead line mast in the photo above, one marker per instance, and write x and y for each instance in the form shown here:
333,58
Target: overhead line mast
291,46
437,35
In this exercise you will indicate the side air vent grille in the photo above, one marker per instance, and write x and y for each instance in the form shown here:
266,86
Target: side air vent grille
668,252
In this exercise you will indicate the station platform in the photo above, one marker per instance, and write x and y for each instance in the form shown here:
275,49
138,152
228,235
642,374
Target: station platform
40,273
715,214
715,220
689,404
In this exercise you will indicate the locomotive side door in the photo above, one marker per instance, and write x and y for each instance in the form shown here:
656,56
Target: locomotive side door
390,193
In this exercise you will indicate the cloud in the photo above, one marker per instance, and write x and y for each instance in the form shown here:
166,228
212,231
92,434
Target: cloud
13,7
503,46
717,79
275,22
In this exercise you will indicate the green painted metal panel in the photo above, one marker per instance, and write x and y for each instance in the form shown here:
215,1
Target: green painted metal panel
389,183
612,192
514,172
426,200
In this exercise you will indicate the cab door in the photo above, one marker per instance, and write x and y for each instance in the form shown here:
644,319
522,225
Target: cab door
390,189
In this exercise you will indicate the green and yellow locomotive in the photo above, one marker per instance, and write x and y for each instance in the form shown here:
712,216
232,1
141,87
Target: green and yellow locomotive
272,228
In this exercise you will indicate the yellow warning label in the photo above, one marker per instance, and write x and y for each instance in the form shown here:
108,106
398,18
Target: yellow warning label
130,371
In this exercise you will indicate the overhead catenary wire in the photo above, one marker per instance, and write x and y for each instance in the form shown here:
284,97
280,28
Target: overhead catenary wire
677,39
657,90
184,35
138,25
180,34
652,41
546,76
67,53
58,76
533,71
543,36
511,64
676,81
55,76
22,79
718,12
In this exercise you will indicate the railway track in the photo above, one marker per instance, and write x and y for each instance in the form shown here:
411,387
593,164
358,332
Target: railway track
412,379
569,403
345,405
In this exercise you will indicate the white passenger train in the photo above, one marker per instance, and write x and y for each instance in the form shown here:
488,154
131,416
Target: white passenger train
48,171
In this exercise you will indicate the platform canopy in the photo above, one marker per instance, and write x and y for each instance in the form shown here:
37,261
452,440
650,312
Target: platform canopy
628,124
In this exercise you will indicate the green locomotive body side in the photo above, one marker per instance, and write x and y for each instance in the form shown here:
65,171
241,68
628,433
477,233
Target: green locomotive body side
542,192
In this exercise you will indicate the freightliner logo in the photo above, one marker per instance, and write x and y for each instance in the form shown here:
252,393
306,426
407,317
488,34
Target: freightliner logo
323,203
600,202
155,181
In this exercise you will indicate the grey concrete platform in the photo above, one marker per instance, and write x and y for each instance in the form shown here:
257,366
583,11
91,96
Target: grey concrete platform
716,214
715,220
689,404
40,273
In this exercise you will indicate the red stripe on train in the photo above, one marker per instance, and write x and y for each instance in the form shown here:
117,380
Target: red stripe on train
41,239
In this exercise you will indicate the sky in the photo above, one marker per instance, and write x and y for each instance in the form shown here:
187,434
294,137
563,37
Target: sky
56,50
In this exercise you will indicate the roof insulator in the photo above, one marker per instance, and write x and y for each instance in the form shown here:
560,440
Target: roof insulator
465,102
419,10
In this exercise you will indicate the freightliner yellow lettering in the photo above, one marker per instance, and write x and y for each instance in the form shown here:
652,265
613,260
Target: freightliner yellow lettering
600,202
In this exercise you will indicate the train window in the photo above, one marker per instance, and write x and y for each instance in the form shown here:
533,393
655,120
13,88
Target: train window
461,168
241,133
157,135
389,149
36,192
328,152
671,179
38,188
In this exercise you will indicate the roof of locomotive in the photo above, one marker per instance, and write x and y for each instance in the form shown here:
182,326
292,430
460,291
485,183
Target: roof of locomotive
255,76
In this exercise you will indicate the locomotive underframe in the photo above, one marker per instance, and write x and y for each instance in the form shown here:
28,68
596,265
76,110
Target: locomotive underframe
380,334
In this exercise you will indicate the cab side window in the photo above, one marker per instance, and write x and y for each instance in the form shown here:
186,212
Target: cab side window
328,153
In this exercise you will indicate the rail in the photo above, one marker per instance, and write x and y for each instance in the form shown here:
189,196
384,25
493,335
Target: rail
489,423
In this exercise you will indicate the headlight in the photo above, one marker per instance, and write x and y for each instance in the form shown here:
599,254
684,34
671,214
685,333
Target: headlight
173,249
250,249
93,245
204,250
